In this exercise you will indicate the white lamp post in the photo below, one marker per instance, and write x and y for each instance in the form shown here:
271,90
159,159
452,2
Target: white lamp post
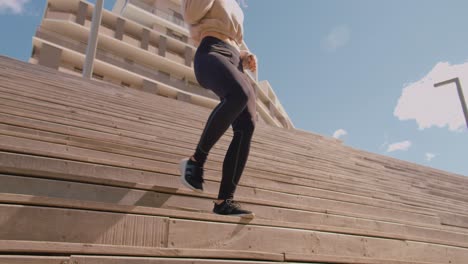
92,40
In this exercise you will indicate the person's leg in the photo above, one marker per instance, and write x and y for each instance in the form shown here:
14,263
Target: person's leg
237,155
216,68
236,159
226,81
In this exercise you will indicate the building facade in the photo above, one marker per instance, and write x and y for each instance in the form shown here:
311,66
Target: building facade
142,44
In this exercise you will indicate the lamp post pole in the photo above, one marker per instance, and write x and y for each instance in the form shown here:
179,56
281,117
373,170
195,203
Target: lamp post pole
460,94
92,40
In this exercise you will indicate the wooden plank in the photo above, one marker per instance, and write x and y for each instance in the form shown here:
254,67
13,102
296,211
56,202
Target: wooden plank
85,172
68,130
317,192
290,142
71,143
109,101
454,220
19,164
331,223
154,260
80,226
141,179
114,94
245,237
125,196
380,205
18,259
345,260
407,216
75,122
101,193
119,250
325,204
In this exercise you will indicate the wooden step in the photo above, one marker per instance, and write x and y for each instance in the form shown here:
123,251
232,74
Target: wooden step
75,152
222,236
81,226
49,72
315,258
18,259
176,207
210,236
345,260
39,247
166,171
259,196
141,260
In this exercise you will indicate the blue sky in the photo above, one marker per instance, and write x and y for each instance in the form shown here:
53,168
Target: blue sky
360,69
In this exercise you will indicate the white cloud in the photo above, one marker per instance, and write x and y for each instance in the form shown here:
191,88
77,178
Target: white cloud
338,37
430,106
430,156
339,133
403,146
14,6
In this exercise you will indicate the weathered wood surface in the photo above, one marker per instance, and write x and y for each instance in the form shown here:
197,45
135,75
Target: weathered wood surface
42,247
270,239
81,226
70,142
18,259
82,172
74,153
181,207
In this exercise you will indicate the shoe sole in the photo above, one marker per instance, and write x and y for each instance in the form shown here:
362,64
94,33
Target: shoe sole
249,216
182,176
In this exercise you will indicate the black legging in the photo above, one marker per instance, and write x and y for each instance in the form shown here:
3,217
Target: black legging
218,67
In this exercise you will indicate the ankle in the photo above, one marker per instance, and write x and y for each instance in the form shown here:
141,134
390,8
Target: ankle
218,202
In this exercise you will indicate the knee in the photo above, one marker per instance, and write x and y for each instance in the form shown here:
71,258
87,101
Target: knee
241,98
247,126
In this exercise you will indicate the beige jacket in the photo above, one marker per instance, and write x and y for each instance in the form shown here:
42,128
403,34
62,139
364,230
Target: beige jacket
224,16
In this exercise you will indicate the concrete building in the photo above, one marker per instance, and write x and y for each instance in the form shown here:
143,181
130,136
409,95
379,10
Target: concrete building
142,44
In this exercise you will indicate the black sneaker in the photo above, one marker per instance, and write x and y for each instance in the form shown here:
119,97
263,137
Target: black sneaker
232,208
191,175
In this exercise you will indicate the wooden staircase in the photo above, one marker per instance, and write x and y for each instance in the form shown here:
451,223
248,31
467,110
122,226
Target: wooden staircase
88,175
